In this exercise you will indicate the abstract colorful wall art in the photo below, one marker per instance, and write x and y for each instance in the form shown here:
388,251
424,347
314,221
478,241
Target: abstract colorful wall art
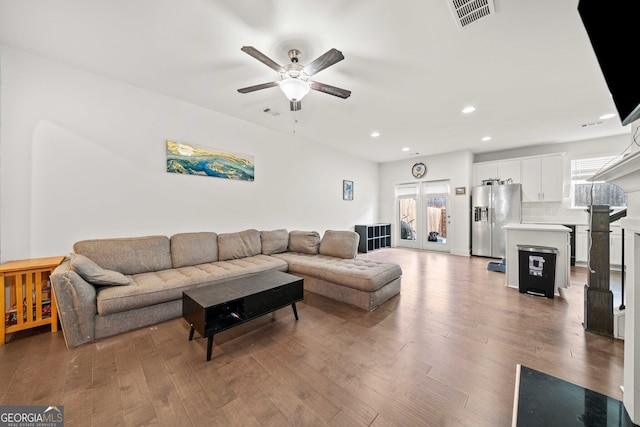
193,160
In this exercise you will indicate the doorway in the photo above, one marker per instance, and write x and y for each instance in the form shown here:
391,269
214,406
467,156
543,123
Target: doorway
423,215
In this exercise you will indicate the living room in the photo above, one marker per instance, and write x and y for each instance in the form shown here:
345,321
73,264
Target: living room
83,156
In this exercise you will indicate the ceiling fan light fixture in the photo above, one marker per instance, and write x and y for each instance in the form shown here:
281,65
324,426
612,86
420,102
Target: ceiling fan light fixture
294,89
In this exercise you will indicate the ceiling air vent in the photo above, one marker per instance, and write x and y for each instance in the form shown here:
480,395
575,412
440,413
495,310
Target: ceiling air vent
466,12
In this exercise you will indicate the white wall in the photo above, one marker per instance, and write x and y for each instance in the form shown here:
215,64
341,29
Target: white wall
455,167
82,156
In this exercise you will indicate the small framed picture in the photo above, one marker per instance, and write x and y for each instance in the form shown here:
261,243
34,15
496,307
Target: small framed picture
461,190
347,190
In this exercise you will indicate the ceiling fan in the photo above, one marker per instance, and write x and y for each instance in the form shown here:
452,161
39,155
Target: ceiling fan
294,78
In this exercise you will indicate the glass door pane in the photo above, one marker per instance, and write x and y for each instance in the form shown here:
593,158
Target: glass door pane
437,219
408,216
407,205
437,216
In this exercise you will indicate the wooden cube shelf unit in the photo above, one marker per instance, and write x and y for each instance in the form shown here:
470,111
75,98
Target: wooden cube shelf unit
30,300
373,236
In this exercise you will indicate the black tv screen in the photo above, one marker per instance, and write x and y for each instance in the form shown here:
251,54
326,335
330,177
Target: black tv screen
612,28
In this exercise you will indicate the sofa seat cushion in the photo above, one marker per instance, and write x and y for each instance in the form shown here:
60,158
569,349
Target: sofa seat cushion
166,285
362,274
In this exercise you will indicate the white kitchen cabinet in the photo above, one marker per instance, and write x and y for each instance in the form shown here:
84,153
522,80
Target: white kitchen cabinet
582,244
510,169
615,246
542,179
503,170
486,170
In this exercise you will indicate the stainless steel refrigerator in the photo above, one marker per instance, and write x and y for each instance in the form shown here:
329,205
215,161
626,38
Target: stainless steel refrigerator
494,206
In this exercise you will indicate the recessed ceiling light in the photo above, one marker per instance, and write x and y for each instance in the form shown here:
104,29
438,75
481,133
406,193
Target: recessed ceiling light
486,138
375,134
406,148
607,116
469,109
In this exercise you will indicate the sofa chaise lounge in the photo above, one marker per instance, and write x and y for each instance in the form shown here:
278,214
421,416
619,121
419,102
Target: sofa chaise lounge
110,286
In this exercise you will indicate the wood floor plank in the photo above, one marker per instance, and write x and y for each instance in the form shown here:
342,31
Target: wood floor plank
442,353
351,409
319,404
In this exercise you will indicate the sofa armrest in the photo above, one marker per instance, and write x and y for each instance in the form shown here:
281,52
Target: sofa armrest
77,306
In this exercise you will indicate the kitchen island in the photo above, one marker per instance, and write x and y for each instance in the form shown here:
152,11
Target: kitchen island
545,235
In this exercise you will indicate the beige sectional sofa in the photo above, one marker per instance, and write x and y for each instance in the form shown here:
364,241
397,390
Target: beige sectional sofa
109,286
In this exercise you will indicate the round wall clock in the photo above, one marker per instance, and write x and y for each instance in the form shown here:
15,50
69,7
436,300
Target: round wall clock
419,170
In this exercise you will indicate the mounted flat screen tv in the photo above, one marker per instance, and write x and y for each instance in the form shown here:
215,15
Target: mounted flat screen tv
612,28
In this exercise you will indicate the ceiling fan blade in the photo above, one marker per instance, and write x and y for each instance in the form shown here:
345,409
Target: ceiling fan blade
329,58
331,90
257,87
250,50
295,105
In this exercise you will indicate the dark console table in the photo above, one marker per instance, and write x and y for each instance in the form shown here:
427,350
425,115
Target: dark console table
215,308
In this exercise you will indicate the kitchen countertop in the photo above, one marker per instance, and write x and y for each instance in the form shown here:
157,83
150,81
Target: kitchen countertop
537,227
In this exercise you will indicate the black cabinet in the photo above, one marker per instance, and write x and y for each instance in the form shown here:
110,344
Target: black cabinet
373,236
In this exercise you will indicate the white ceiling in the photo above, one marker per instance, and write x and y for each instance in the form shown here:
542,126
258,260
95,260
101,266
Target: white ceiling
528,69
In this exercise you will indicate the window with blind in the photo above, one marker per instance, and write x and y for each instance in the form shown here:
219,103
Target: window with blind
586,193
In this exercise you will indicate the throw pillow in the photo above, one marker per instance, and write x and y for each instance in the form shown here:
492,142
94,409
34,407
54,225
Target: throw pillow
306,242
274,242
96,275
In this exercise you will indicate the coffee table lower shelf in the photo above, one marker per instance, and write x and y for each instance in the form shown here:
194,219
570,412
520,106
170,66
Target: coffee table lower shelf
216,308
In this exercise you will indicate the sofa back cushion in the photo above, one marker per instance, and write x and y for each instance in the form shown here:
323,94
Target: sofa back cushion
241,244
340,244
306,242
274,242
194,248
132,255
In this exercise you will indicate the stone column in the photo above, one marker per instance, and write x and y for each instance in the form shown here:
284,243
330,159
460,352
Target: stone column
598,298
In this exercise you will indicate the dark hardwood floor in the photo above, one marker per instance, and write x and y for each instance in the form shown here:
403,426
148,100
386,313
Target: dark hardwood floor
442,353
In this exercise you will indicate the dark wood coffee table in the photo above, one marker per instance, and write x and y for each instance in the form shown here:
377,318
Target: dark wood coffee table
215,308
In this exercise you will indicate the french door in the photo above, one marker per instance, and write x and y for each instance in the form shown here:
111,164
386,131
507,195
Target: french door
423,215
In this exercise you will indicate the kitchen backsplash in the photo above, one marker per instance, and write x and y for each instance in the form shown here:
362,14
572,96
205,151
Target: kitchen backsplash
552,213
